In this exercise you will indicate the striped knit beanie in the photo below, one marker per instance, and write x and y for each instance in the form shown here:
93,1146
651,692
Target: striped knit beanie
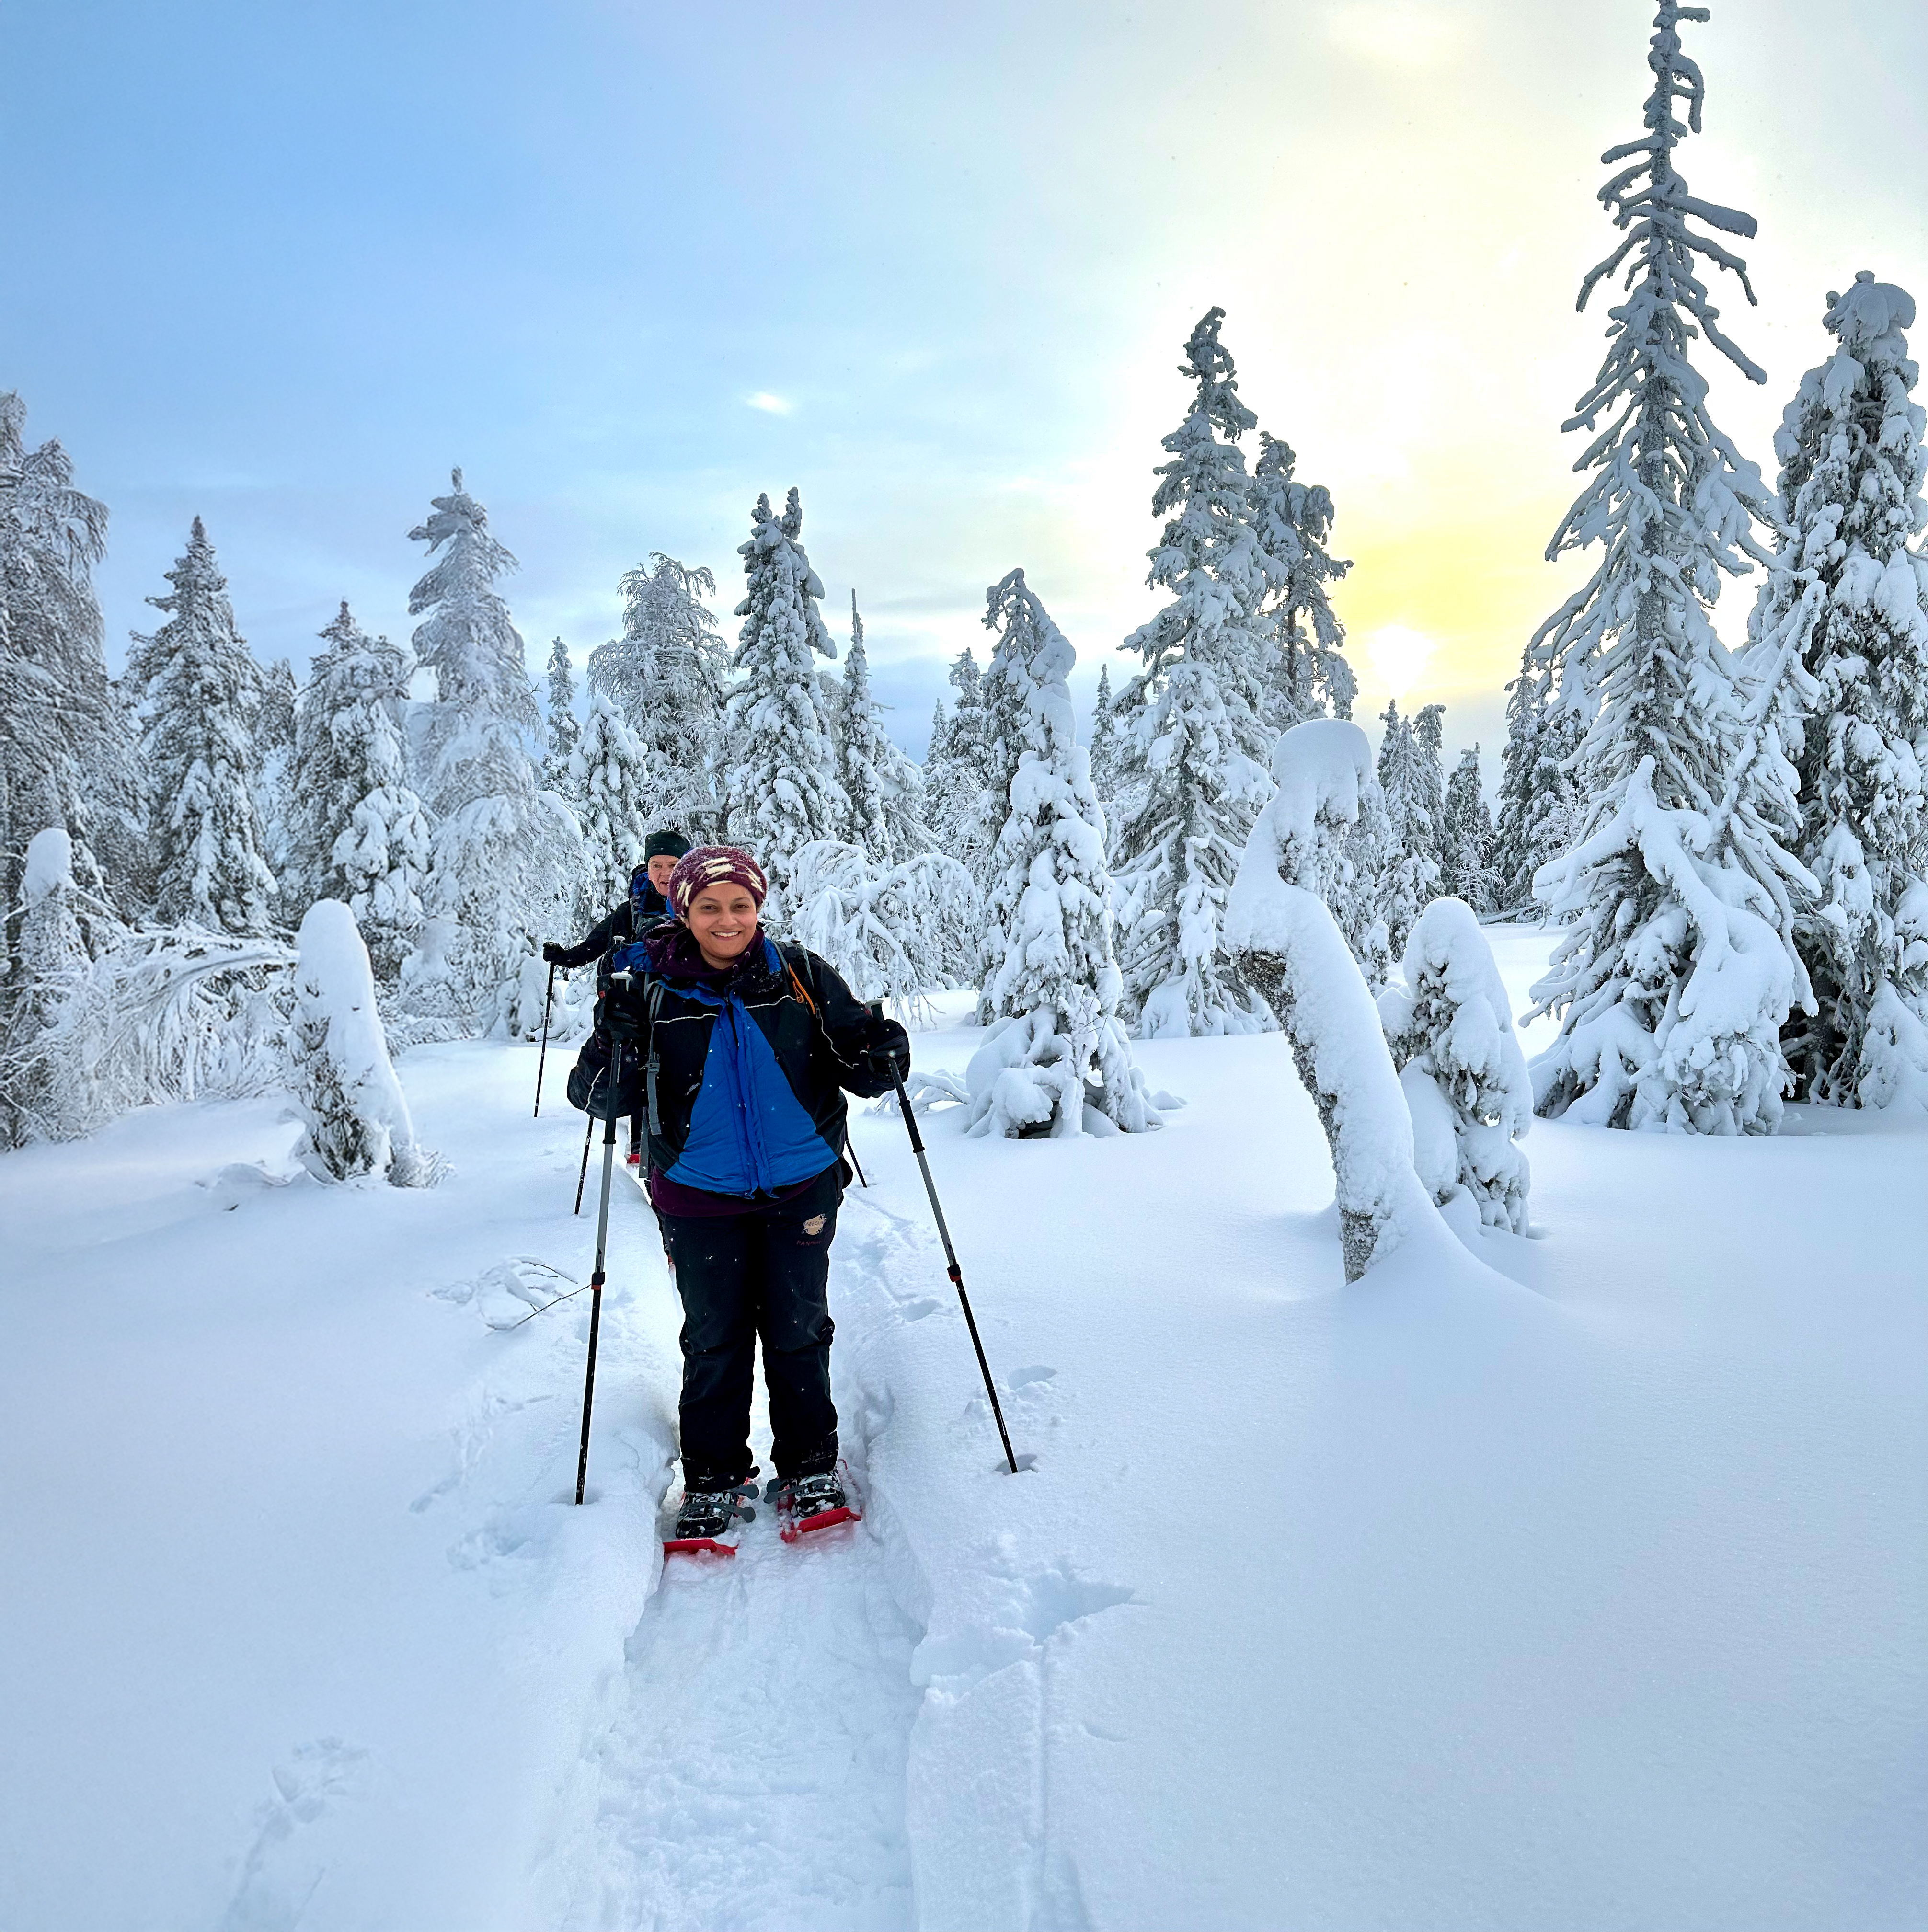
709,866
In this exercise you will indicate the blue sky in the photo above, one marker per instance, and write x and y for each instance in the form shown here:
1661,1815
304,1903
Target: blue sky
628,265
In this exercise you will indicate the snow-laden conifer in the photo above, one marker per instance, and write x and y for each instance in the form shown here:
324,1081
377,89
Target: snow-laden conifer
1055,1059
1409,864
1103,740
505,867
67,745
356,830
1307,674
1541,807
563,728
781,787
198,691
1852,467
347,1098
1466,838
1677,968
668,674
274,733
1191,722
605,783
1449,1026
863,754
957,774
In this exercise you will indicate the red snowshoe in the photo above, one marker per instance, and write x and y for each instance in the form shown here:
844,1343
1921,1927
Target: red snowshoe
707,1516
805,1504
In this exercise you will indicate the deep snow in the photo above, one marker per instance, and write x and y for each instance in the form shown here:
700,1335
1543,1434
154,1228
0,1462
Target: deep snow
1592,1592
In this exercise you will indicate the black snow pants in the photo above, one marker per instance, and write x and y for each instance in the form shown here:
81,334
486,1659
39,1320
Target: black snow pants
763,1273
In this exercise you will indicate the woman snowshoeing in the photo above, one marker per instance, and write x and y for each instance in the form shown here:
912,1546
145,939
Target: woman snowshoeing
754,1045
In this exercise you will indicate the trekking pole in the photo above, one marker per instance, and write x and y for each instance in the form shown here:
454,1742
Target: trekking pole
583,1173
956,1272
854,1161
548,1000
602,1243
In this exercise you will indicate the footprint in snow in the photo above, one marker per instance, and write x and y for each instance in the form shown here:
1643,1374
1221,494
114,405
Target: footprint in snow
285,1865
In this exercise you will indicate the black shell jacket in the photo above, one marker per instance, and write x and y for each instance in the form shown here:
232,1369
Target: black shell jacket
619,928
817,1032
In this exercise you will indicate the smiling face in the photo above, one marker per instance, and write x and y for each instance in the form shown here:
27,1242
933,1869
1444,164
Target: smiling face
724,918
660,867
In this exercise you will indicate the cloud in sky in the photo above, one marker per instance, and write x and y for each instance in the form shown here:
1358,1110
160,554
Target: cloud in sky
373,241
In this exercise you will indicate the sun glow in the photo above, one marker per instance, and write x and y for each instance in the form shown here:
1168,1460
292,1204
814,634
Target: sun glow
1399,656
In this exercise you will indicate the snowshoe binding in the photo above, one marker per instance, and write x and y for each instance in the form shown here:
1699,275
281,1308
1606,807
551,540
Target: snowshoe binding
707,1516
807,1503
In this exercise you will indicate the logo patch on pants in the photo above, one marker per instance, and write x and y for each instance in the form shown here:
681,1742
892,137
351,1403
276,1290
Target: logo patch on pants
814,1225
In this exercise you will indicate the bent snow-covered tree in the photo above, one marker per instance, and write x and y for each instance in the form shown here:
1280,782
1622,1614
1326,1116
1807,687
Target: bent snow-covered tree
347,1096
1852,467
357,831
1055,1060
505,865
198,690
1192,723
1289,948
1450,1028
782,788
1676,966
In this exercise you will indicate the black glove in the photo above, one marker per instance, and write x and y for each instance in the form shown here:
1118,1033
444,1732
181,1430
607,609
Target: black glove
889,1053
552,953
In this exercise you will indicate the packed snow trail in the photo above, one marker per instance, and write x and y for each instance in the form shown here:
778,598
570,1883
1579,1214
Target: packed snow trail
753,1773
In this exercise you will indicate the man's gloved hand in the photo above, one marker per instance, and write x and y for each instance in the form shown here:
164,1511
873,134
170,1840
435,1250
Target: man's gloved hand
552,953
889,1052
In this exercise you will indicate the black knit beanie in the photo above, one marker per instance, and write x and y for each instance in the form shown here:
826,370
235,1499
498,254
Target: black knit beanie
658,844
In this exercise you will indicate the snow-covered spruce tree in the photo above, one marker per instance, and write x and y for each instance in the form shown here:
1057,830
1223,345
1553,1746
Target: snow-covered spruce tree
274,730
347,1097
66,745
1409,869
1055,1059
1852,467
668,674
198,691
505,865
1191,722
1280,929
563,729
1466,838
781,786
1307,674
1541,807
607,772
1104,733
957,774
356,830
1449,1030
1677,967
863,756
